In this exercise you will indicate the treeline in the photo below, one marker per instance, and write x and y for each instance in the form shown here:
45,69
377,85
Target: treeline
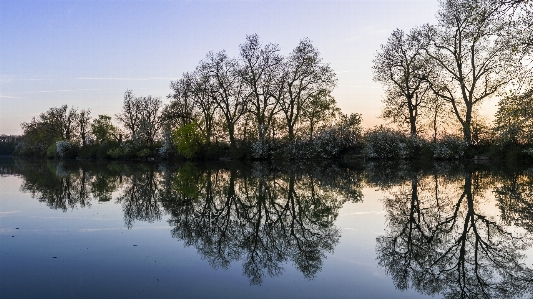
260,105
264,105
8,144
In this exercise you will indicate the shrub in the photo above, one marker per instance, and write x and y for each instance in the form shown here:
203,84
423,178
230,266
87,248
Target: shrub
386,143
450,148
115,153
144,153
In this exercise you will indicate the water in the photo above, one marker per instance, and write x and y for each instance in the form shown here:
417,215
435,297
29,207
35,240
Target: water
296,230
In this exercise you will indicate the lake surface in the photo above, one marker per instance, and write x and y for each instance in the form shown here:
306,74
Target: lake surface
93,229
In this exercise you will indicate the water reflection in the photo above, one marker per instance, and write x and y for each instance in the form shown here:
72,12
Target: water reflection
443,238
451,230
261,215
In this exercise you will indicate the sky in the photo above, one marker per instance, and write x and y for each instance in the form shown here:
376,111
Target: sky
86,54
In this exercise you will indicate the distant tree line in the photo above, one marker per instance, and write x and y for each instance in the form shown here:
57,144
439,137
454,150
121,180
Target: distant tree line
8,144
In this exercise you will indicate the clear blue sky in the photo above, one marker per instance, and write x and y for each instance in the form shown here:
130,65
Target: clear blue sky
87,53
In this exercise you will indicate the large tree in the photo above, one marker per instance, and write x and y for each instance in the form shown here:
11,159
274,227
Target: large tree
475,55
260,65
140,117
192,101
304,77
402,66
226,89
58,123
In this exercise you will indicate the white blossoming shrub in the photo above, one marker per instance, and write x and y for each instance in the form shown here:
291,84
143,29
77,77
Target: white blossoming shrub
167,149
386,143
449,148
63,148
261,150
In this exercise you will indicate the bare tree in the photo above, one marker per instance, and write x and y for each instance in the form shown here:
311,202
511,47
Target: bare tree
259,67
226,89
149,124
474,54
130,116
304,76
192,101
321,108
401,66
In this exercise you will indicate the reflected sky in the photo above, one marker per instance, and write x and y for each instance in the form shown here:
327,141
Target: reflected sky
308,230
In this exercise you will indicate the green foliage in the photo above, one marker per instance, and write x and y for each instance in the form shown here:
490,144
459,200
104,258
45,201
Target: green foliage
115,153
103,130
188,140
51,151
144,153
514,119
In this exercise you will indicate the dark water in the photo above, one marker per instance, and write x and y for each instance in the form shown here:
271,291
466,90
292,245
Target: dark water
295,230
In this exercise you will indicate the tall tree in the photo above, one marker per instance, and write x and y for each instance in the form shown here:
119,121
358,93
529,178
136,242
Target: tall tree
259,68
140,117
474,54
192,101
84,119
149,119
226,89
305,76
103,129
401,66
130,116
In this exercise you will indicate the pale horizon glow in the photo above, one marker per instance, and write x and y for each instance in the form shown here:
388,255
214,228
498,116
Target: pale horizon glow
86,54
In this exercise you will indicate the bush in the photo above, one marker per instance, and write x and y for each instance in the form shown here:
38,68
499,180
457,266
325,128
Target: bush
115,153
386,143
450,148
144,153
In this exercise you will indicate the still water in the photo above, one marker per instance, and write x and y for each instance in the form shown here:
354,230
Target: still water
295,230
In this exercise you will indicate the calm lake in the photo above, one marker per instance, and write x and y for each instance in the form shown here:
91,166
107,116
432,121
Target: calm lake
91,229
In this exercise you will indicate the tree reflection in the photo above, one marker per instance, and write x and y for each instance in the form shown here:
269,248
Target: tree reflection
441,240
139,196
515,199
57,185
263,217
442,236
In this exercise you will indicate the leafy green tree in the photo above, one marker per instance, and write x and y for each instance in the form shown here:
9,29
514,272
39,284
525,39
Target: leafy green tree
51,126
103,129
514,118
188,139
